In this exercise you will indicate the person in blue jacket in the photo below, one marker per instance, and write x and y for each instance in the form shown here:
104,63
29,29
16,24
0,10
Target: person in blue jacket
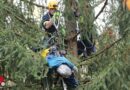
58,62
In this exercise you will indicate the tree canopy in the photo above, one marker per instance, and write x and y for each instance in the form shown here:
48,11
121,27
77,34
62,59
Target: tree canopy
106,69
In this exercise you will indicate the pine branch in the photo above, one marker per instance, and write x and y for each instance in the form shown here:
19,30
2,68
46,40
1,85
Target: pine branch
105,49
2,60
101,75
18,18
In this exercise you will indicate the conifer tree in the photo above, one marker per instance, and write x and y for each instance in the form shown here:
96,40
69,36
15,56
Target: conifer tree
106,69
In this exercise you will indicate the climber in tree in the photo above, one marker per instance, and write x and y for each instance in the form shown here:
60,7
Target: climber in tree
86,46
59,64
47,23
48,18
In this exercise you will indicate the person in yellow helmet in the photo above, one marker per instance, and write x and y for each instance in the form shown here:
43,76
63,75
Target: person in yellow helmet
47,21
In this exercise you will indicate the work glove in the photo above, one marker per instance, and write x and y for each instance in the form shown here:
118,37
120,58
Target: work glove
63,52
75,69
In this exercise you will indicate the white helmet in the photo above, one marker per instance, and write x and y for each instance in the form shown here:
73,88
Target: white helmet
64,70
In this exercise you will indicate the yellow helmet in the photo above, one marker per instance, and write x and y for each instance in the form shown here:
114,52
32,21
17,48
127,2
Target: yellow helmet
53,4
45,52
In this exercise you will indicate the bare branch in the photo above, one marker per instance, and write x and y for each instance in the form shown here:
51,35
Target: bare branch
101,9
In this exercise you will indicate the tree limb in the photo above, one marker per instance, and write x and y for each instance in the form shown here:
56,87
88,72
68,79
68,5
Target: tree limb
101,9
18,18
105,49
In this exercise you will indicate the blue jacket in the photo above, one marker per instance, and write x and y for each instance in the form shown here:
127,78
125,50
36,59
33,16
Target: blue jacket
56,61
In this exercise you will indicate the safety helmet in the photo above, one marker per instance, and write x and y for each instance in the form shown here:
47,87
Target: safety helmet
64,71
53,4
45,52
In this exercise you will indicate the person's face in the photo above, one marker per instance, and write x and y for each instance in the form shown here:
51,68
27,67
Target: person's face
52,11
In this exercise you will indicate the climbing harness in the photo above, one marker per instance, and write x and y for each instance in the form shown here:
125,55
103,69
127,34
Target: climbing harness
59,22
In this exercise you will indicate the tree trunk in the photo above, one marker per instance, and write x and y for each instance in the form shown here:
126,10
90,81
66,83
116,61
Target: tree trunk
71,26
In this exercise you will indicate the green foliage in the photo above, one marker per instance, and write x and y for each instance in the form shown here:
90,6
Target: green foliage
109,67
18,33
109,70
87,16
